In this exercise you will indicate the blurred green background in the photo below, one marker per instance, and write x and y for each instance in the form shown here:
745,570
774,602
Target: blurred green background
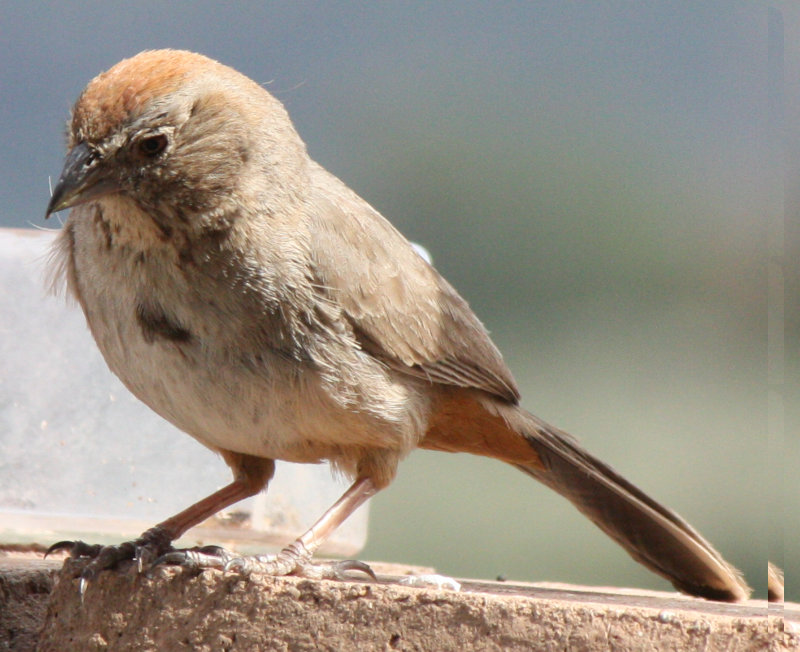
604,182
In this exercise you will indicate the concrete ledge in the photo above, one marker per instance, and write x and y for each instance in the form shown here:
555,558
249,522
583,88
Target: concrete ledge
25,587
178,610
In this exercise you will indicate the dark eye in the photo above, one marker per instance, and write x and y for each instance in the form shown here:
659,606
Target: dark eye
153,145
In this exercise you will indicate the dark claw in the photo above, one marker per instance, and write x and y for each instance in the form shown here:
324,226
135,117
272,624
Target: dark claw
355,565
76,549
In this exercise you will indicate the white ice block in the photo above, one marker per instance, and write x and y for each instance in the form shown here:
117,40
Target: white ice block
81,457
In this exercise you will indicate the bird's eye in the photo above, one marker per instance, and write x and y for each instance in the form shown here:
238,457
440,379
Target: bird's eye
152,146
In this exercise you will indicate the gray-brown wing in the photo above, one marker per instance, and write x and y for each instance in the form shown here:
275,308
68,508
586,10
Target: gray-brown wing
401,310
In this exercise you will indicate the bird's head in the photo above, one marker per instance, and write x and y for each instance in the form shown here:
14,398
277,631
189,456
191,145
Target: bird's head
177,134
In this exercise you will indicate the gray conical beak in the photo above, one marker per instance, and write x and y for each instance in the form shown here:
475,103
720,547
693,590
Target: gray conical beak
82,179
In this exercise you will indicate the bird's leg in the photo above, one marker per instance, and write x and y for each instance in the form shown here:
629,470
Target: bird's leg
295,559
252,475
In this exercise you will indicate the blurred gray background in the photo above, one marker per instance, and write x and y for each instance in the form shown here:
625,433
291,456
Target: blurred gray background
602,181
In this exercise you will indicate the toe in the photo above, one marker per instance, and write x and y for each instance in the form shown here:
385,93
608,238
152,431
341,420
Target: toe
267,564
348,565
196,558
75,548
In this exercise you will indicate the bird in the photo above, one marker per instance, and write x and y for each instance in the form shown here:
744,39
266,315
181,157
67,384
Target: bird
253,300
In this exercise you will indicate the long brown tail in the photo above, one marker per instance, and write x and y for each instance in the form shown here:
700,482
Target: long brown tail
652,534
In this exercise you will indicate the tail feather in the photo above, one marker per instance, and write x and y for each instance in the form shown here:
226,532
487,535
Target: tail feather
652,534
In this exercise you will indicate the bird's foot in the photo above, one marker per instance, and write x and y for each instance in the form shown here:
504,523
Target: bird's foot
154,549
154,543
296,560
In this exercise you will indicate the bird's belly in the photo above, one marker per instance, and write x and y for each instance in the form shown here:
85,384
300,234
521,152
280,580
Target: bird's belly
221,406
271,412
276,408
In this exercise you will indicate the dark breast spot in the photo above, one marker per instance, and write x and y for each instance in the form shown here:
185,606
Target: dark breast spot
156,324
102,225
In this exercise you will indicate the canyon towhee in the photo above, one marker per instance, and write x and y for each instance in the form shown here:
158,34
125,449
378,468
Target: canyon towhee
253,300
